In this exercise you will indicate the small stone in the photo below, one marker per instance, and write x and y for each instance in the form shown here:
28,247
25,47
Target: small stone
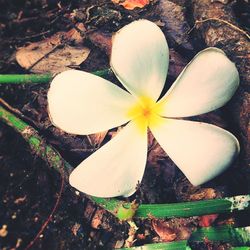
13,217
3,231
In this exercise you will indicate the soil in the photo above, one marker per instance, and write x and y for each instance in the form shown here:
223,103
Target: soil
30,189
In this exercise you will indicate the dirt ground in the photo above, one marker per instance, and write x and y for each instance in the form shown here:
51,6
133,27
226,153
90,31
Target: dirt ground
30,189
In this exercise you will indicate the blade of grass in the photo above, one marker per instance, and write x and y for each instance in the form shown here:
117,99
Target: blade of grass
187,209
39,78
234,236
240,248
177,245
120,209
25,78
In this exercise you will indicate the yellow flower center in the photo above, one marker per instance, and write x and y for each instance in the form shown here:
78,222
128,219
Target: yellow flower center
145,113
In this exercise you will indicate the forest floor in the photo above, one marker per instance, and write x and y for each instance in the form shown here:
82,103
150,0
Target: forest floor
50,36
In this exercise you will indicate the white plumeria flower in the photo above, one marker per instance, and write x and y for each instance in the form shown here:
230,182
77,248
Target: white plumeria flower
82,103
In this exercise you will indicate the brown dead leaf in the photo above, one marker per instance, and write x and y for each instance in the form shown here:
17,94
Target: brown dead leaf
119,244
101,40
207,220
3,231
54,54
20,200
204,194
97,219
141,236
184,233
165,232
156,153
176,27
97,139
231,221
75,228
131,4
176,63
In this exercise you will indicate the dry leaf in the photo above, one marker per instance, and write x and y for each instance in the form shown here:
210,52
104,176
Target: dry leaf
20,200
207,220
3,231
101,40
131,4
97,219
97,139
176,26
75,228
165,232
53,54
119,244
204,194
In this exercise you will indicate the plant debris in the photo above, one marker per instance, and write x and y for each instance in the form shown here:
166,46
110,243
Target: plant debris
55,54
51,36
131,4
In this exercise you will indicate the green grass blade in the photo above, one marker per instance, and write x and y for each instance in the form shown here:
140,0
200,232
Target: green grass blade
235,236
25,78
187,209
177,245
40,78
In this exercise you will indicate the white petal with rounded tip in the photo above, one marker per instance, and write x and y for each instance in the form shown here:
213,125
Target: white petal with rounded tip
116,168
82,103
207,83
200,150
140,58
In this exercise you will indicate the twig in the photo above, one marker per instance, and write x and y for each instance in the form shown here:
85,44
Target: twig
120,209
221,21
33,36
13,110
17,112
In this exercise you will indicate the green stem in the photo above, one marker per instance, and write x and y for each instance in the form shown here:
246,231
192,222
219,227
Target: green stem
176,245
45,151
26,78
124,210
194,208
39,78
37,144
235,236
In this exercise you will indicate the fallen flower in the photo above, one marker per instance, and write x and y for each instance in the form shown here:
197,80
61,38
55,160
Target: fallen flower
82,103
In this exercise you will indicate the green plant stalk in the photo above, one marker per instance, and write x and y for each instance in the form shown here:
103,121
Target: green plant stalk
39,78
25,78
235,236
123,210
45,151
37,144
187,209
176,245
184,209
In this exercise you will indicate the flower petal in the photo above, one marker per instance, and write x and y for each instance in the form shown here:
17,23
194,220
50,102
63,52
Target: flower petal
116,168
206,83
200,150
82,103
139,58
